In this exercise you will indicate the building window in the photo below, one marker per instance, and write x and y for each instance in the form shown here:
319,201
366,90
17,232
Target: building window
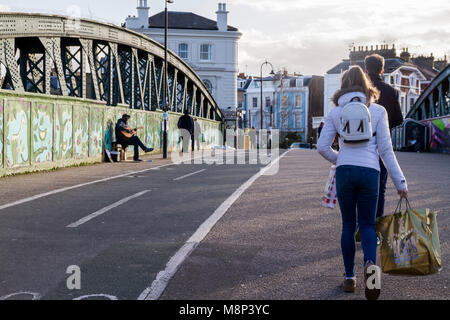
183,51
206,52
298,121
208,85
403,104
298,101
412,102
284,101
255,102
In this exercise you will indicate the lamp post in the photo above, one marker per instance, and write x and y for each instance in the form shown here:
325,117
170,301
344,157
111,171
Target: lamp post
271,73
166,78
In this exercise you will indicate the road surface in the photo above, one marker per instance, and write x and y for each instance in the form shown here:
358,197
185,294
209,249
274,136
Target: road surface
274,240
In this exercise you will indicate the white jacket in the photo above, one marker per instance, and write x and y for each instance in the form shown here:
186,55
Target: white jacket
362,154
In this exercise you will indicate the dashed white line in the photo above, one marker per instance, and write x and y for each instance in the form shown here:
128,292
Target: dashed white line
106,209
159,285
46,194
189,175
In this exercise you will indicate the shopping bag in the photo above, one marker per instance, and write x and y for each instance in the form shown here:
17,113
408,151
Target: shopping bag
329,200
410,242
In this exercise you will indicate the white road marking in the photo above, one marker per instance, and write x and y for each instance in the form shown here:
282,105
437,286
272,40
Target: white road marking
101,295
189,175
159,285
46,194
34,295
106,209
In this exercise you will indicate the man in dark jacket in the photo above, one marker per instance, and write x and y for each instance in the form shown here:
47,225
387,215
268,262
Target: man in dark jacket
131,139
186,123
389,99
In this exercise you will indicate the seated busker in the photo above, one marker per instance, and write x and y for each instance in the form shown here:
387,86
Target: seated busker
126,136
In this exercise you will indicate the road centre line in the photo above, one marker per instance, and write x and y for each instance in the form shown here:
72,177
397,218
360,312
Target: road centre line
163,278
189,175
46,194
106,209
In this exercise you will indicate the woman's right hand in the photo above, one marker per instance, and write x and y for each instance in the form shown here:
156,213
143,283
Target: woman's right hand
403,194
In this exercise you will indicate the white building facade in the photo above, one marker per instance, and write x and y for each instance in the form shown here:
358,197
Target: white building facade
209,47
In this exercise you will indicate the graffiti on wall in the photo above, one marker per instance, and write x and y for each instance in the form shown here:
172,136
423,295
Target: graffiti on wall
440,135
42,129
96,131
153,131
16,131
63,132
39,131
81,132
1,133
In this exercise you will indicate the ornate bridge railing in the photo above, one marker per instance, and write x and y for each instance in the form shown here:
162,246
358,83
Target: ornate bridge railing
435,100
65,82
429,119
56,55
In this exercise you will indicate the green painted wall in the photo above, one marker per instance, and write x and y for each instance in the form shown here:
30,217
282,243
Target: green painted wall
40,132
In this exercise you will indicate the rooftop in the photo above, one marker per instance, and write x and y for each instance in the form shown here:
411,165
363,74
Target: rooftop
184,20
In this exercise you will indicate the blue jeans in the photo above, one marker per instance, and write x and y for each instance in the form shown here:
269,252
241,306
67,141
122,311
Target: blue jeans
357,192
383,181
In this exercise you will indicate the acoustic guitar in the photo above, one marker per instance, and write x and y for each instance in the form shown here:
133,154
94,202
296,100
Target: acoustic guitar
128,135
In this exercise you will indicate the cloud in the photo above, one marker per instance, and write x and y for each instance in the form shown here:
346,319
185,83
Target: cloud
312,37
4,8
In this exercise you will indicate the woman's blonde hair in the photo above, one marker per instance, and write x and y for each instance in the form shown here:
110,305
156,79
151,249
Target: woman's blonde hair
353,80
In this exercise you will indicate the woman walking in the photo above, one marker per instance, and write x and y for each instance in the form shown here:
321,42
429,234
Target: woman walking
358,172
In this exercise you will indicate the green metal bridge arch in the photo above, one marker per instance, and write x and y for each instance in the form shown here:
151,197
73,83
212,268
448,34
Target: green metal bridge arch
57,55
65,82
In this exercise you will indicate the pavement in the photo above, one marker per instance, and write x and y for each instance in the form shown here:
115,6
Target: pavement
277,242
274,242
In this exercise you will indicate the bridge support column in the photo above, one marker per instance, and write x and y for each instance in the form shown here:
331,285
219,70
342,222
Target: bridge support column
53,57
7,58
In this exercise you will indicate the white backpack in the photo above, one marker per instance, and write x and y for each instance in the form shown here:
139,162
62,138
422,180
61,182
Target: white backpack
356,122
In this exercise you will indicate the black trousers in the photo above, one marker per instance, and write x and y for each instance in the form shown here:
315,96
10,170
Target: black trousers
134,141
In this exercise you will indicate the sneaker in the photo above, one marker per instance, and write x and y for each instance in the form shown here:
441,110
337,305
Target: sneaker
349,285
149,150
137,160
371,294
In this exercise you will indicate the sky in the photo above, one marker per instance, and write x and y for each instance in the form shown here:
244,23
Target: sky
303,36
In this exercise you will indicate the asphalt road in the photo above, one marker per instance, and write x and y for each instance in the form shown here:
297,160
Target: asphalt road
277,242
274,242
120,251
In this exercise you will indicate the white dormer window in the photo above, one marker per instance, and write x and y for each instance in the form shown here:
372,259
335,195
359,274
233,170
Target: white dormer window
183,51
206,52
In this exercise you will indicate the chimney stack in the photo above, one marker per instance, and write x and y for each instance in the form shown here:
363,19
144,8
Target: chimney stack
222,17
143,14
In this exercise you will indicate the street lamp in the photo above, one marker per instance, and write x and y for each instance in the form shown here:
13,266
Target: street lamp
166,79
271,73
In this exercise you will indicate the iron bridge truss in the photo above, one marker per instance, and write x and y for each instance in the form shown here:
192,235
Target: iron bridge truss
56,55
435,100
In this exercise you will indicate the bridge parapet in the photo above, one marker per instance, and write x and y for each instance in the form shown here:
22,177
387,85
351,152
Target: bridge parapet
65,81
432,109
39,132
